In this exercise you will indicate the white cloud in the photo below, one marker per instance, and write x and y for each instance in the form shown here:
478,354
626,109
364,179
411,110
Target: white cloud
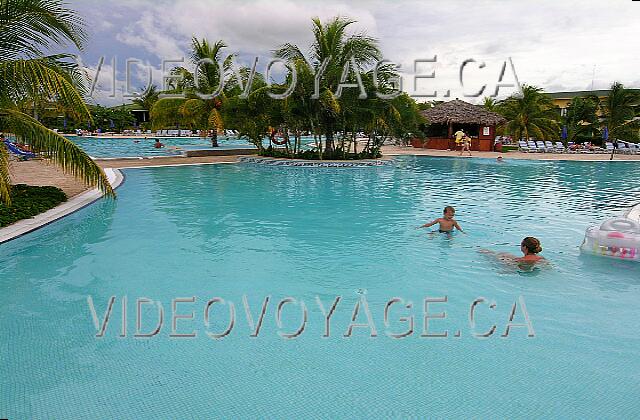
553,44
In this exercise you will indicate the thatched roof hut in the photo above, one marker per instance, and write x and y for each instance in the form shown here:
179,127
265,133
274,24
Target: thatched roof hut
461,112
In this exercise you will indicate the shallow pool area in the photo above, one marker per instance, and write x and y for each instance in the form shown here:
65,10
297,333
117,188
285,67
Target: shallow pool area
244,232
131,147
124,147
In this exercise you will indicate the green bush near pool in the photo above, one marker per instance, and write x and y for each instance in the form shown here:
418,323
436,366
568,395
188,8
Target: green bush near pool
28,201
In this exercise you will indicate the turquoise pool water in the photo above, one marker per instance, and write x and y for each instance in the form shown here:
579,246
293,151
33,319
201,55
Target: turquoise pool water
239,229
109,147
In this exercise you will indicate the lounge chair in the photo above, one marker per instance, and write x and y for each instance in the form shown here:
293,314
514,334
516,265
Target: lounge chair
559,147
523,147
13,148
534,147
623,147
549,147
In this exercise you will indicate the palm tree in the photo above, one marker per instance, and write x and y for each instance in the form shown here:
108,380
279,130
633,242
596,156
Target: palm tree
581,118
490,104
620,111
27,28
530,113
332,45
192,111
147,98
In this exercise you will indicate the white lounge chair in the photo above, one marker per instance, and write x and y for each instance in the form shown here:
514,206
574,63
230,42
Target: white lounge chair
523,147
533,146
559,147
549,146
623,147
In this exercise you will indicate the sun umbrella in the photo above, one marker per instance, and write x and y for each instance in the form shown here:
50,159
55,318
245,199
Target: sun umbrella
111,124
564,133
605,133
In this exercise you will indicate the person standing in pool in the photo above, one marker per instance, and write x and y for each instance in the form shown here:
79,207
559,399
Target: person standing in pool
446,223
158,145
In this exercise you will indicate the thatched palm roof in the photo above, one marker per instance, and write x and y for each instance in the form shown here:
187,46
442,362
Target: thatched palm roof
461,112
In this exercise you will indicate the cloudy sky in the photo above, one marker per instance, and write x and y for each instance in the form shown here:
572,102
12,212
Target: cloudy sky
557,45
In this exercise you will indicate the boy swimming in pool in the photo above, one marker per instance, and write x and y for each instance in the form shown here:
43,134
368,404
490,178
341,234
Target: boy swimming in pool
446,223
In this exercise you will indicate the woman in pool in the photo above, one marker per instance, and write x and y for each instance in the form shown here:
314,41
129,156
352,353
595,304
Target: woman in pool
529,246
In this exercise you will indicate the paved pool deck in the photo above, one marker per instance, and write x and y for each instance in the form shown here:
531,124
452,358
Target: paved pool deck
42,173
400,150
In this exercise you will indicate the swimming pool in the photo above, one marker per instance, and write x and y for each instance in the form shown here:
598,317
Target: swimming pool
115,147
242,229
119,147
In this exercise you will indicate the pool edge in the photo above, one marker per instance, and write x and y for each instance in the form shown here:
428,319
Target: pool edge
80,201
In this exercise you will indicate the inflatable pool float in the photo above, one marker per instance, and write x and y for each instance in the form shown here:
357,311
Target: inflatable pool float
615,238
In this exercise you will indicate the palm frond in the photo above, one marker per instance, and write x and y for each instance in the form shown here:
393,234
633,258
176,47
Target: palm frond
166,112
40,78
289,52
29,27
215,120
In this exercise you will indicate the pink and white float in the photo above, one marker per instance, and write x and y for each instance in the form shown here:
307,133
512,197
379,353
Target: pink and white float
615,238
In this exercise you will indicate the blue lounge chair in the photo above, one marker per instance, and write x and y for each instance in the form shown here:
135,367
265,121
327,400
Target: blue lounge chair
17,151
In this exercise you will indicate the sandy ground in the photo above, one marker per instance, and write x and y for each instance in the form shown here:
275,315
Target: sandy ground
39,172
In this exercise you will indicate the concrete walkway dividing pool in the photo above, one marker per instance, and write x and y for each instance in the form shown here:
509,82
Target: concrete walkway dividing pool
402,150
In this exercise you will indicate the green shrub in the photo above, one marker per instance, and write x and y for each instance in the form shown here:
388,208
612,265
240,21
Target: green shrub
28,201
509,148
337,154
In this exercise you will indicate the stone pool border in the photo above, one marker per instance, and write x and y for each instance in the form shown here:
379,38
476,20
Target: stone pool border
22,227
268,161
